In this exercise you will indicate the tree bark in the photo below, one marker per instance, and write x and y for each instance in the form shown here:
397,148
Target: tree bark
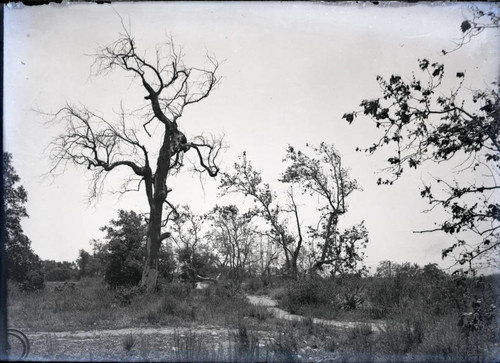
153,242
157,194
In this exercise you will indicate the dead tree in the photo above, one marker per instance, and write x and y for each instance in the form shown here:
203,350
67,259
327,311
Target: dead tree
91,140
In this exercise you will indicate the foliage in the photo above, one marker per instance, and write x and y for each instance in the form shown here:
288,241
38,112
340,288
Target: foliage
312,290
125,237
59,271
23,265
248,182
196,258
414,332
425,122
233,237
322,176
83,262
128,342
325,177
123,251
476,22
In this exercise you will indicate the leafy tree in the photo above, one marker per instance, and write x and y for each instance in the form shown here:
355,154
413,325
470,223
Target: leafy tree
101,145
125,238
385,268
23,265
59,271
325,177
196,260
122,252
247,181
233,235
426,122
83,263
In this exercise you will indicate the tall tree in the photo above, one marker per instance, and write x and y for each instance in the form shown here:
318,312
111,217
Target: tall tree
23,265
426,122
325,177
247,181
100,145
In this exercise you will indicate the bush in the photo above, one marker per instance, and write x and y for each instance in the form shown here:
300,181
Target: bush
285,346
124,295
180,290
309,291
33,281
360,338
255,284
405,333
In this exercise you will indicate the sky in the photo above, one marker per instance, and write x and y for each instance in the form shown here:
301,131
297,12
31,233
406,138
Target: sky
289,71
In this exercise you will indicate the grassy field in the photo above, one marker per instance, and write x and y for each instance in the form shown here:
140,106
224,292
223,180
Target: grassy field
86,320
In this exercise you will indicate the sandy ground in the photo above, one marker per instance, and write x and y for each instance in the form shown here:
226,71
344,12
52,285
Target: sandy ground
282,314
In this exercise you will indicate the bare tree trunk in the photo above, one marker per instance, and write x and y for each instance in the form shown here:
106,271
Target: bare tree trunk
157,194
153,243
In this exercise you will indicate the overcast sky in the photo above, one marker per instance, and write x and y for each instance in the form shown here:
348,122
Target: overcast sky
289,73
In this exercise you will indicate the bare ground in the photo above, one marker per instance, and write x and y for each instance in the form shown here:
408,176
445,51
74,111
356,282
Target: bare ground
272,304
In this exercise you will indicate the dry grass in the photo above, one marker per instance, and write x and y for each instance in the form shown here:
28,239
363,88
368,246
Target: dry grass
413,333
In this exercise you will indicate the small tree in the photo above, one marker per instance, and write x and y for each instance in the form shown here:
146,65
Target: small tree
197,260
83,263
125,241
92,141
325,177
247,181
23,265
233,235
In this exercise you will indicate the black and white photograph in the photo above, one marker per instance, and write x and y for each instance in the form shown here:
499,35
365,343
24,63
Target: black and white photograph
251,182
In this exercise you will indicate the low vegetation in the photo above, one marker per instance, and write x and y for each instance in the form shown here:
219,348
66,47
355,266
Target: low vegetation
415,317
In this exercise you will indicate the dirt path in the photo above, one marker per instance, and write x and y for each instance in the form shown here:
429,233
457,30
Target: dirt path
272,304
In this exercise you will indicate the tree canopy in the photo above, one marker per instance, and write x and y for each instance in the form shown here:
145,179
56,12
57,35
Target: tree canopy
23,265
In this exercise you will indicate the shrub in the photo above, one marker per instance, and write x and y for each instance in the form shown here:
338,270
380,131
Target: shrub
188,347
128,342
180,290
255,284
309,291
259,312
246,344
405,333
360,338
285,346
33,281
124,295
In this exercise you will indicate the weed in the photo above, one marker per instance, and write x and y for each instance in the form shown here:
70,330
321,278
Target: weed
246,344
124,295
400,337
128,342
285,346
188,347
308,324
259,312
51,344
